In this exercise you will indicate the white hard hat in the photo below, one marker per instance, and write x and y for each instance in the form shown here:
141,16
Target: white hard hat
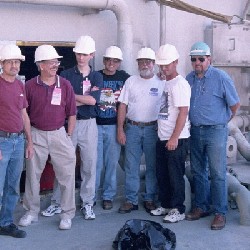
45,52
146,53
84,45
11,51
113,52
166,54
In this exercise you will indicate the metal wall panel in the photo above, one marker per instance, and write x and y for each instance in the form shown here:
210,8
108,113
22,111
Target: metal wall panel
230,44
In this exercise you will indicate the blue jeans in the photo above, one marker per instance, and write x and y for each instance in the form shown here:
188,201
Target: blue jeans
138,140
108,154
208,158
11,167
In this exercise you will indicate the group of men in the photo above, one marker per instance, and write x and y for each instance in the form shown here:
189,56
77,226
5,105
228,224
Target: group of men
147,113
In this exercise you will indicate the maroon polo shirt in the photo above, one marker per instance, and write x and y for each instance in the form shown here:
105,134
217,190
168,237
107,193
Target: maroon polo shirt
43,115
12,101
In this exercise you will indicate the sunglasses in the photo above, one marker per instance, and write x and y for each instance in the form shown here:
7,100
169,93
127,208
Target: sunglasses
201,59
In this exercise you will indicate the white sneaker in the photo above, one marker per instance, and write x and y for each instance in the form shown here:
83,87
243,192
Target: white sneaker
65,224
174,216
159,211
88,212
27,219
52,210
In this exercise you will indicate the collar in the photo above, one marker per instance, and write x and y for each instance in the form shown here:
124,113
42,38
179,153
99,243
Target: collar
207,74
40,82
79,73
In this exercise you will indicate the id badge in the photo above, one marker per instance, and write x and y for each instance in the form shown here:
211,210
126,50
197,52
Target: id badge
56,96
86,86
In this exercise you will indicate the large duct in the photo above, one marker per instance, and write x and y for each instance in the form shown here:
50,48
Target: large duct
242,144
242,197
120,9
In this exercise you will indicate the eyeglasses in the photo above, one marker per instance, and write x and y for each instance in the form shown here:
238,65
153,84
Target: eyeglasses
144,61
52,63
201,59
12,62
113,60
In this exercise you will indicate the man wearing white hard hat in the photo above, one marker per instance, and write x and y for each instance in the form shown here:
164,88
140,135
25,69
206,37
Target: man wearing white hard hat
14,122
139,106
51,100
173,134
214,101
108,151
87,85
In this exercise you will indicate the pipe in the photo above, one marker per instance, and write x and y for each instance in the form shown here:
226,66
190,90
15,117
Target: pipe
246,10
242,197
120,9
242,143
163,26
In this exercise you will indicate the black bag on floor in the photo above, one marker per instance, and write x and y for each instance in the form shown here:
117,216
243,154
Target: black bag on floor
144,235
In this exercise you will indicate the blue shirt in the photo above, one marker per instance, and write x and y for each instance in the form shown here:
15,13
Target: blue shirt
211,97
76,79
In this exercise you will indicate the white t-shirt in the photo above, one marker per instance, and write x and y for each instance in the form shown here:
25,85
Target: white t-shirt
176,94
143,98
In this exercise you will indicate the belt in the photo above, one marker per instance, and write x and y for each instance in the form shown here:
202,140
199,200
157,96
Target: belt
142,124
209,126
85,118
9,134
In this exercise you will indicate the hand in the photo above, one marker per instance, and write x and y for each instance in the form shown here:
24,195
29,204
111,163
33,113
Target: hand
172,144
121,137
94,88
29,150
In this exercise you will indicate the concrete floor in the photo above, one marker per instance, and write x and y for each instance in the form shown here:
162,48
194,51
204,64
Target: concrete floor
100,233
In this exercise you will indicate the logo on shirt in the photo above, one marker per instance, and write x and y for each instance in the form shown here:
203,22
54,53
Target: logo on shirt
108,99
164,112
153,92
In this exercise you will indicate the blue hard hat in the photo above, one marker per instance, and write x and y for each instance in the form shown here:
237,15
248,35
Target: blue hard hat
200,49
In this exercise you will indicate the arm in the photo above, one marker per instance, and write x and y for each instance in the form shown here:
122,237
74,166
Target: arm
85,100
94,96
234,109
121,115
27,131
71,124
180,123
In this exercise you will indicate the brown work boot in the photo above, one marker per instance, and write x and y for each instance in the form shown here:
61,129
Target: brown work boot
196,214
107,204
127,207
219,222
149,205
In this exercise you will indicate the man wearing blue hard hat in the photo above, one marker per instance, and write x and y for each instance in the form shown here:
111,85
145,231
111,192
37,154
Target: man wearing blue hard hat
214,101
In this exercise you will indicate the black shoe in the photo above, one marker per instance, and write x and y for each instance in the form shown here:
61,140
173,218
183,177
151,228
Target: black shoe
149,206
107,204
12,230
127,207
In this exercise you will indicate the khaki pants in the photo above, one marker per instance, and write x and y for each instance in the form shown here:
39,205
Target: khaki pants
85,135
62,152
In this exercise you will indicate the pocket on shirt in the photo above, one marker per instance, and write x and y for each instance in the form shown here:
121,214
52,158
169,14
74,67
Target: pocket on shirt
20,102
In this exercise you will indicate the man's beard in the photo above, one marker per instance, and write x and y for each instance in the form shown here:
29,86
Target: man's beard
145,73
